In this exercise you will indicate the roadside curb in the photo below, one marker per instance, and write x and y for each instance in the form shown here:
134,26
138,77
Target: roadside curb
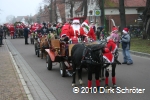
138,53
27,91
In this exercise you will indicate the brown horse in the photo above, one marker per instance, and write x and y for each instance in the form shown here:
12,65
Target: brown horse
43,45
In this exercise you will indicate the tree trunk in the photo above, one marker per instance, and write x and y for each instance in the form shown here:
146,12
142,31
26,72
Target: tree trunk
101,6
85,8
122,14
71,9
55,11
51,11
146,22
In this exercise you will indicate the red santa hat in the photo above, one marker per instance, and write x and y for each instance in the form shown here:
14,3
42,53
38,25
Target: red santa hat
125,30
75,20
85,23
114,29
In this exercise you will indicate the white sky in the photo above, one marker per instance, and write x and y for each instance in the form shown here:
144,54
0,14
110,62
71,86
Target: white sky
18,8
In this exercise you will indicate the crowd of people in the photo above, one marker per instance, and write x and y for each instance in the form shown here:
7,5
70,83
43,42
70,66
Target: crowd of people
76,31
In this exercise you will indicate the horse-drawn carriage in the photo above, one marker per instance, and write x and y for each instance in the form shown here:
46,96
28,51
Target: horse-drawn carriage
42,42
75,54
81,55
60,51
19,26
34,29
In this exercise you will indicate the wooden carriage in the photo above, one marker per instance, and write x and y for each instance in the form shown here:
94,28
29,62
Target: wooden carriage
58,53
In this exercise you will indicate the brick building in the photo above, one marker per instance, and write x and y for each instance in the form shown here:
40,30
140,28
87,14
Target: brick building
133,8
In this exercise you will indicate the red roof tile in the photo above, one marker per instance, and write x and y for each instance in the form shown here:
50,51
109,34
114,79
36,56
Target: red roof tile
127,3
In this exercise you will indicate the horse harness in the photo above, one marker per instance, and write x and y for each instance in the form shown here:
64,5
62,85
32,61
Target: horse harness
87,57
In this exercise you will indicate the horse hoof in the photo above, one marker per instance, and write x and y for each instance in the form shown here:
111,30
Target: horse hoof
106,86
80,81
114,85
103,78
73,85
100,79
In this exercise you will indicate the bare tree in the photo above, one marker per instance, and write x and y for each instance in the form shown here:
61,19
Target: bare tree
55,11
146,20
122,14
29,19
71,4
10,18
47,1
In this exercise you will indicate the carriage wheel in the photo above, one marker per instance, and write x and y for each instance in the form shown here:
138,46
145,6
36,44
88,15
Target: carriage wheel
49,62
62,69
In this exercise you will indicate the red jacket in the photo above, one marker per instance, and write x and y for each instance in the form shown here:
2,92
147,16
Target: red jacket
65,31
11,29
91,34
111,45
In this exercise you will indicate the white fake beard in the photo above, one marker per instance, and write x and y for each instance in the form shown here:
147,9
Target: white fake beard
76,27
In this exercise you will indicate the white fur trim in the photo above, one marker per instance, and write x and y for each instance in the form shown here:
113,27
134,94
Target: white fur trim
85,24
108,59
115,49
63,35
108,38
124,31
76,21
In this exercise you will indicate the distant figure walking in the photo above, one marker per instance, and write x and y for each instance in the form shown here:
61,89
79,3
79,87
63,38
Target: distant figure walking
26,33
1,35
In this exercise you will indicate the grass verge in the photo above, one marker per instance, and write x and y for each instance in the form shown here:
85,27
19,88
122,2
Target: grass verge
140,45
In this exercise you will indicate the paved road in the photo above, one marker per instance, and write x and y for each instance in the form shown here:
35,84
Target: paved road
49,85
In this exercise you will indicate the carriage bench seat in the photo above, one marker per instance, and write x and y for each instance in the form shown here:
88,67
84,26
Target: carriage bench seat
55,43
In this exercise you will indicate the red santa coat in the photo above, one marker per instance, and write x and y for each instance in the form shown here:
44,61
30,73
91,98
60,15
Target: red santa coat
67,30
91,34
111,45
74,34
109,50
11,30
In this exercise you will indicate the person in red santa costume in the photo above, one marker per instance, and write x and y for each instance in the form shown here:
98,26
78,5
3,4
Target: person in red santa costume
112,48
88,30
75,30
12,30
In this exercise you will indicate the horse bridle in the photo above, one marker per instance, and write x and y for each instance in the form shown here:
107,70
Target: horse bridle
87,57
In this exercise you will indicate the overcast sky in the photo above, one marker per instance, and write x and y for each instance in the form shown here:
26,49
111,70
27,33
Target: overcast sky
18,8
